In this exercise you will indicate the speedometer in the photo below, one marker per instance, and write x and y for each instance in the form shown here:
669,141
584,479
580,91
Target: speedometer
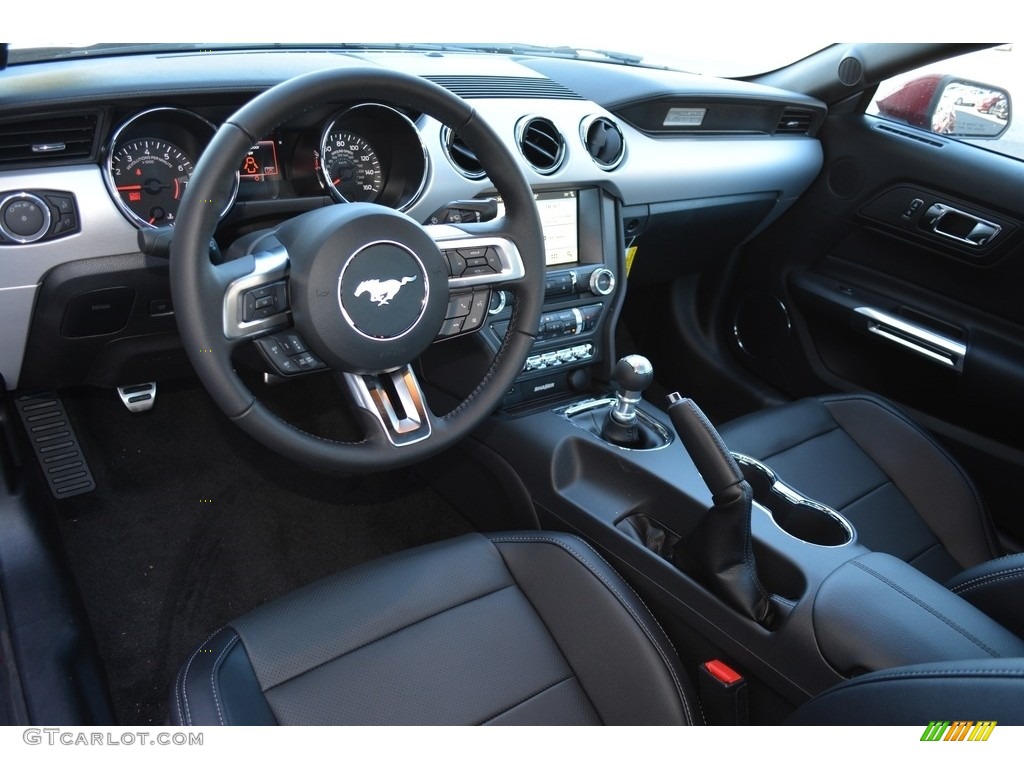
150,176
351,167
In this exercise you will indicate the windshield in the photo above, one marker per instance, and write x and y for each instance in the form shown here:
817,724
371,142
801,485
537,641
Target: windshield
710,58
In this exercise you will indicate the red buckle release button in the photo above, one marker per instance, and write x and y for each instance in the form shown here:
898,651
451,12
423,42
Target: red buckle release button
722,672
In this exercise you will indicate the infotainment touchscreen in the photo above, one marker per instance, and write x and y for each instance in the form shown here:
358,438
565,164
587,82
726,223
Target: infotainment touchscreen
559,218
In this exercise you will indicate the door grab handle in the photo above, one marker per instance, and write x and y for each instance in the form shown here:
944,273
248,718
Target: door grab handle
916,338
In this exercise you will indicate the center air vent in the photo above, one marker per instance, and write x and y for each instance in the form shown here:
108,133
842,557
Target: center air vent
795,121
48,140
603,140
541,144
460,155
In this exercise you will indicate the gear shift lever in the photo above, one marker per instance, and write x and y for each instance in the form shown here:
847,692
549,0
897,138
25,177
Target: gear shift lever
633,374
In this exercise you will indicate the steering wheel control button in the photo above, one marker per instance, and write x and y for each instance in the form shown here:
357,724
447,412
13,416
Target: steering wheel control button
267,300
282,352
459,305
291,343
481,301
383,291
456,262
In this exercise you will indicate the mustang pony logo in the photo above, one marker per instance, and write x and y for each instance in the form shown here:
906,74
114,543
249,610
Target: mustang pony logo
382,291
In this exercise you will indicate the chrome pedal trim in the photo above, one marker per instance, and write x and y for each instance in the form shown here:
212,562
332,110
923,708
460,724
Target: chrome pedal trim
138,398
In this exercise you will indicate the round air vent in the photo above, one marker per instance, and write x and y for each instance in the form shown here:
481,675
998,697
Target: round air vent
541,144
603,140
460,155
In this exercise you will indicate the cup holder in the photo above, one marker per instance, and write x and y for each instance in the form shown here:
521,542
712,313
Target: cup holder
801,518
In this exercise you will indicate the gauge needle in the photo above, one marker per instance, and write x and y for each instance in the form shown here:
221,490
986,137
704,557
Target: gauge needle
129,187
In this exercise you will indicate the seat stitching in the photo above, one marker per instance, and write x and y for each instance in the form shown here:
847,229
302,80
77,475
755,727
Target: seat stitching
187,718
213,676
525,699
896,412
799,443
980,581
945,619
935,545
387,635
643,627
926,673
863,496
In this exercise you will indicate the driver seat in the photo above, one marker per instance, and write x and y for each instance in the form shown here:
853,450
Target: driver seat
511,629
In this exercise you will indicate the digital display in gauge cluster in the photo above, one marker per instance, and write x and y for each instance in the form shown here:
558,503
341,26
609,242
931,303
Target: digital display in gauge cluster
260,163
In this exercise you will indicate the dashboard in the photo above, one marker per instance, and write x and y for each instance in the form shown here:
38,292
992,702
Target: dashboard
619,158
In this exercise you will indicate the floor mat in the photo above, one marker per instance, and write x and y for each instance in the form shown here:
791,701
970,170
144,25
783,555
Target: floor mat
193,523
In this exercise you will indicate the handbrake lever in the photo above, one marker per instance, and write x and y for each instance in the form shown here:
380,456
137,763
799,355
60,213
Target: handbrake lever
719,549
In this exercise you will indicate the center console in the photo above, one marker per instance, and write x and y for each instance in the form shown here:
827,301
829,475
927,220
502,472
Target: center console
582,232
834,609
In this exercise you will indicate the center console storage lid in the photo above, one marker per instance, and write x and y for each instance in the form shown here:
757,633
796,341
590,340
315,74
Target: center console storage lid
876,612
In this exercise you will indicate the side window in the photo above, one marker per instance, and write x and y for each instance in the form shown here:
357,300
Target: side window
968,97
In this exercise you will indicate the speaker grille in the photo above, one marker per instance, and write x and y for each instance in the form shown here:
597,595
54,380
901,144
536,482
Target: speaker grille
850,71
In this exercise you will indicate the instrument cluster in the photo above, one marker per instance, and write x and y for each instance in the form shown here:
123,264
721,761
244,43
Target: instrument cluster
363,153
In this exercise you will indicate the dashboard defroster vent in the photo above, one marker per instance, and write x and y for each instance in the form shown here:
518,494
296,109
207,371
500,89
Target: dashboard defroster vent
48,140
604,141
541,144
460,155
796,122
495,87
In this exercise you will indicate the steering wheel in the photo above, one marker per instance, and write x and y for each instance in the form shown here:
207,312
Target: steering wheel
363,288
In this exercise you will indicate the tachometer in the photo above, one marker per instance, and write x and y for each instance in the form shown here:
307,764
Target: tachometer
150,176
351,167
150,160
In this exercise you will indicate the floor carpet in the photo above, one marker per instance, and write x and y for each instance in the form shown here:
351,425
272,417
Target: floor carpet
193,523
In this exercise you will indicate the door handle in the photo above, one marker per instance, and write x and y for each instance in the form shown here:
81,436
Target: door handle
916,338
957,225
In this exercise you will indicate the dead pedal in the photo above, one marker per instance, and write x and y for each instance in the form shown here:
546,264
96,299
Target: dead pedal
138,398
55,444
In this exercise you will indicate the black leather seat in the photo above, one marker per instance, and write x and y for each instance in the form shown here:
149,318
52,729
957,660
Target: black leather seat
903,493
525,628
514,629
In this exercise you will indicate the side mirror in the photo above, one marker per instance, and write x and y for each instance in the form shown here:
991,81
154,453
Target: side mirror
950,106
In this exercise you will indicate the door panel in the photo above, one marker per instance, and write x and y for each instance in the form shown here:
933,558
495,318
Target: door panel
882,299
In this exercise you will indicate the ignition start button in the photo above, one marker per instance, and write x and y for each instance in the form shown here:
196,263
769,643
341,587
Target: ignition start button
24,218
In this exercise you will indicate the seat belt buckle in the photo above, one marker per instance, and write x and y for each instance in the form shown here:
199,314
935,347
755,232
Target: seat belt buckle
723,694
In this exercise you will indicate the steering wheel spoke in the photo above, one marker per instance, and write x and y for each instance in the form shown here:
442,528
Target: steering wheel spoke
477,260
256,302
396,403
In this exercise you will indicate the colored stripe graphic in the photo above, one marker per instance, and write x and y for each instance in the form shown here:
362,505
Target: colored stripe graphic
960,730
982,730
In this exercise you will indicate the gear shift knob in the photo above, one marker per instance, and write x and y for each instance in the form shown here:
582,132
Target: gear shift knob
633,374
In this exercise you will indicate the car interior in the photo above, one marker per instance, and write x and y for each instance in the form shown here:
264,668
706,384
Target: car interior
450,384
